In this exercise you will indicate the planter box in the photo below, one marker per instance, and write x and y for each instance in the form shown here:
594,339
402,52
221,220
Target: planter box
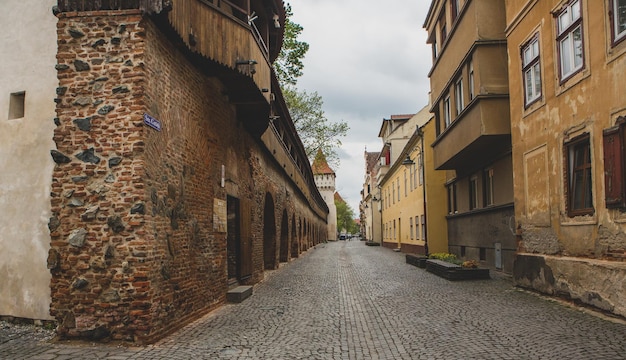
372,243
416,260
455,272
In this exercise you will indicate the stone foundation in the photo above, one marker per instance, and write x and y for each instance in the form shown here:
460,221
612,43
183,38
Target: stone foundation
597,283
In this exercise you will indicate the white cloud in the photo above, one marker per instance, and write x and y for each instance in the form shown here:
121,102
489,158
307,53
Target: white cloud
368,59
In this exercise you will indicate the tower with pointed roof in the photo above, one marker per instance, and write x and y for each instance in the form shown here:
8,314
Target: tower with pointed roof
325,182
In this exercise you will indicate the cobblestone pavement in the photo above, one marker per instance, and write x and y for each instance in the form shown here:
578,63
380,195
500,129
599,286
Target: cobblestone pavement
345,300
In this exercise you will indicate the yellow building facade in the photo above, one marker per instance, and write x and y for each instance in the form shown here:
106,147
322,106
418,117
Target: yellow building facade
567,67
407,215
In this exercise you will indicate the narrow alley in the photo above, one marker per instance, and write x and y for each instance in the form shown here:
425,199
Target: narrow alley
344,300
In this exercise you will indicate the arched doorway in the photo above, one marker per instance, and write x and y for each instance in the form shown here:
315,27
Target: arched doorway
269,234
284,238
294,238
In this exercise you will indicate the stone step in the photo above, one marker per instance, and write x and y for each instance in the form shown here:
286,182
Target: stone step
239,294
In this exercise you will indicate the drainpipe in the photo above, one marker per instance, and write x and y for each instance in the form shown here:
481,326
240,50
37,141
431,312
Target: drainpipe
421,133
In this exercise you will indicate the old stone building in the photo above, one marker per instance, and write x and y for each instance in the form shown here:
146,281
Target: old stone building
178,170
470,101
567,61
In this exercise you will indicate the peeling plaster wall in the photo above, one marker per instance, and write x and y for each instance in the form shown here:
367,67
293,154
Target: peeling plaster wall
561,253
28,43
592,282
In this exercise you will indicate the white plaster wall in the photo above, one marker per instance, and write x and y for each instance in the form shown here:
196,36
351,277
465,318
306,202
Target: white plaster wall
28,56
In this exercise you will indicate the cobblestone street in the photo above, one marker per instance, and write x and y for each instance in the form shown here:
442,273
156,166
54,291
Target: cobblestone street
345,300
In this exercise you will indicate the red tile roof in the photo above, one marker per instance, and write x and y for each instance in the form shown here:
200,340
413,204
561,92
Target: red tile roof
320,166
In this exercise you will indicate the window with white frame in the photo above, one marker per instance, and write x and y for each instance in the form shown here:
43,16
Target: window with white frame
423,221
532,71
618,19
411,227
458,95
447,118
570,40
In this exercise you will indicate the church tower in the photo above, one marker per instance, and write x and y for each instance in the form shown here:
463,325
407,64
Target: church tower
325,182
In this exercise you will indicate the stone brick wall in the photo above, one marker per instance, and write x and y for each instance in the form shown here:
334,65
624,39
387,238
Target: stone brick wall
135,252
99,284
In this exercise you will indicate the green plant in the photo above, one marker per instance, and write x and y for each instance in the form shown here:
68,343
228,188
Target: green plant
451,258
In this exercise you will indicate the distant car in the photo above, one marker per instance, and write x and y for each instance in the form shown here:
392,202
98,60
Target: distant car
342,237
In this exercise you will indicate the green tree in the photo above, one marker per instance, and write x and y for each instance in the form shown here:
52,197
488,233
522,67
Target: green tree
345,217
288,65
314,129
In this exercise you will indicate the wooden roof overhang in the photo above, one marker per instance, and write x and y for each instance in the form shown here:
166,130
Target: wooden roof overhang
233,40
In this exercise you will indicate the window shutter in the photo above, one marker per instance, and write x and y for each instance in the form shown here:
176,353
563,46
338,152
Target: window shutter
614,167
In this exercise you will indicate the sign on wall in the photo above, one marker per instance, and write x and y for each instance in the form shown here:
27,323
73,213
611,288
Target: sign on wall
219,215
152,122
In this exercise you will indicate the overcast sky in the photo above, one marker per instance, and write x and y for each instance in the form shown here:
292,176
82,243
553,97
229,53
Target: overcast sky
368,59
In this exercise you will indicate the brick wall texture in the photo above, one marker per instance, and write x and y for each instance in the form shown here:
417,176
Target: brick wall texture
134,250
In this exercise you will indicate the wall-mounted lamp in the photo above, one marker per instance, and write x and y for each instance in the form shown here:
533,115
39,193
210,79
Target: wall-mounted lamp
408,161
250,64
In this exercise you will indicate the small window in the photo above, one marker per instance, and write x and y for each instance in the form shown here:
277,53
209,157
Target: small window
532,71
411,226
447,116
442,30
455,5
618,19
483,254
398,184
570,40
16,105
471,80
579,179
423,221
473,192
462,251
458,96
452,209
420,167
488,187
406,187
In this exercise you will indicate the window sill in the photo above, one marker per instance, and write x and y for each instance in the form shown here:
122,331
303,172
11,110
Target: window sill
572,81
574,222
